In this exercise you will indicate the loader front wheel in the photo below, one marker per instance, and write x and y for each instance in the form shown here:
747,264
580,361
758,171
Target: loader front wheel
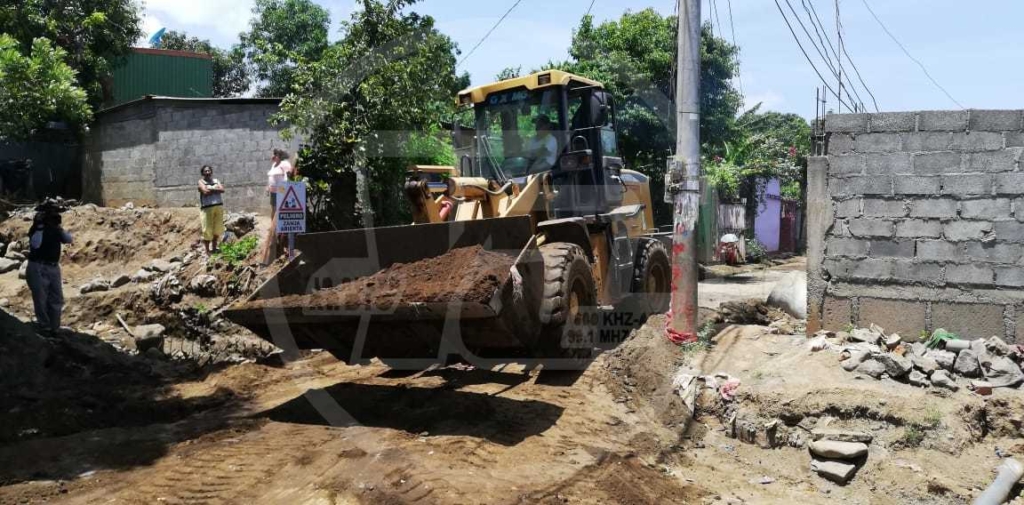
652,282
569,307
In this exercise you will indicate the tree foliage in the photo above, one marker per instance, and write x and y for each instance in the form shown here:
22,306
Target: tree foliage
37,88
94,34
509,73
373,104
283,35
230,75
634,57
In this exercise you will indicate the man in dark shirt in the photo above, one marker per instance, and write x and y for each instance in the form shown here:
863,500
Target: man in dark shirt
43,275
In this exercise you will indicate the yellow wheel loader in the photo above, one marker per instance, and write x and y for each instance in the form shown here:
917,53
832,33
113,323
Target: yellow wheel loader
540,177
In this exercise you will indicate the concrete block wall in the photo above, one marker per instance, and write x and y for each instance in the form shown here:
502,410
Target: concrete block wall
150,152
920,223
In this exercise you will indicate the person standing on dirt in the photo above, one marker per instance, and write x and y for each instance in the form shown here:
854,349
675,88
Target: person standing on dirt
43,274
211,204
280,171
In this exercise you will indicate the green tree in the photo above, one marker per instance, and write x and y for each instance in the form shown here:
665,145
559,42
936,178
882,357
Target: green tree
230,75
509,73
368,108
283,34
37,88
94,34
634,58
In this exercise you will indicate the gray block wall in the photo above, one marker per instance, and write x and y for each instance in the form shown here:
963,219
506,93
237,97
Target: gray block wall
150,152
921,223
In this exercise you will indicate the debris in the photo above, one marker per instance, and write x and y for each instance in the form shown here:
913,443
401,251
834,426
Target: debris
967,364
144,275
203,285
863,335
166,290
95,286
835,471
1001,372
857,357
944,359
240,224
1010,473
981,388
837,450
837,435
159,265
14,255
790,295
728,389
128,206
895,366
892,341
871,368
121,280
957,345
923,363
942,379
818,344
8,265
918,379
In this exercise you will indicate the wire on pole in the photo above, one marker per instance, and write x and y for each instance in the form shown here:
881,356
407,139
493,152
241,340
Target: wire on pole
471,51
808,57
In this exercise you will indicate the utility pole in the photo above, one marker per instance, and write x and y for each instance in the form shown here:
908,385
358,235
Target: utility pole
682,186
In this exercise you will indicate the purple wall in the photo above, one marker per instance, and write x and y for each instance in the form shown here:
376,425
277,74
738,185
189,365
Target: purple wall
769,216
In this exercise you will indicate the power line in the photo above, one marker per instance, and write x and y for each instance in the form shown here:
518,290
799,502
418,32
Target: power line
471,51
714,7
739,70
828,63
923,69
591,7
824,33
808,57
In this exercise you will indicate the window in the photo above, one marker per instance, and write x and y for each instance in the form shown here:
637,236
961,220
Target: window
519,132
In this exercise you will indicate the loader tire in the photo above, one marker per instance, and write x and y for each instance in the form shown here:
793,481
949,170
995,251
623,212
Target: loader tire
568,309
652,278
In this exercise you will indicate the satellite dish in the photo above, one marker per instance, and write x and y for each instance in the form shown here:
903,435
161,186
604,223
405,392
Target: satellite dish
154,41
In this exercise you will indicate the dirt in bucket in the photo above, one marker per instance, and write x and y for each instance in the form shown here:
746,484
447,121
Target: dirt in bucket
467,274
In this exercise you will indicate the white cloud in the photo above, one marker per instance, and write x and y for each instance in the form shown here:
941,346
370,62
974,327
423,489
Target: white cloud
769,100
219,20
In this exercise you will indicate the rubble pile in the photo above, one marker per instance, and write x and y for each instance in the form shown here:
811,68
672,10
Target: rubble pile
944,361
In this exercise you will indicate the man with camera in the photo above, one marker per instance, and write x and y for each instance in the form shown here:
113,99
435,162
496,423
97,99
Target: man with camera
43,275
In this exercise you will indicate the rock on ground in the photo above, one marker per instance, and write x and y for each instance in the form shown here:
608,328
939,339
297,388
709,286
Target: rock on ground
944,359
144,275
149,336
856,358
121,280
14,255
1002,372
835,471
8,265
871,368
23,271
923,363
790,295
203,285
837,435
95,286
967,364
159,265
918,379
240,224
942,379
837,450
997,346
896,366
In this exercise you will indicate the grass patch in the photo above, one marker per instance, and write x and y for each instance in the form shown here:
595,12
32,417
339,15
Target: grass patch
237,252
932,419
704,336
912,436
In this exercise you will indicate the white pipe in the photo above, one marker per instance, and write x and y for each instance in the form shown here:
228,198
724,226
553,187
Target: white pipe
1010,472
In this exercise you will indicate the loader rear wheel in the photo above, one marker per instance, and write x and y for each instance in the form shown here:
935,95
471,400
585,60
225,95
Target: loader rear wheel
568,309
652,281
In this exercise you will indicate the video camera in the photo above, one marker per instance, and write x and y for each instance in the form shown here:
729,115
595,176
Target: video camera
50,208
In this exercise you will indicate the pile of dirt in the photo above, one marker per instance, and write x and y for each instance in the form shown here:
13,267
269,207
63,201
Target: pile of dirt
72,382
467,274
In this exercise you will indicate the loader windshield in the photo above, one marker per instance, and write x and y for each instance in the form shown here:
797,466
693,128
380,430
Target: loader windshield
519,132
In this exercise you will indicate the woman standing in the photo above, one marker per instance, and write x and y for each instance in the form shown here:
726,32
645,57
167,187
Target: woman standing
280,171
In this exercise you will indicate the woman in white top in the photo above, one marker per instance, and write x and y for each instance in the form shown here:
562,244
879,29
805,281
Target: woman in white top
279,172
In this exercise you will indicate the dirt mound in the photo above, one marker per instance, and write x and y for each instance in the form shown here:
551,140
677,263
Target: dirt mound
68,383
467,274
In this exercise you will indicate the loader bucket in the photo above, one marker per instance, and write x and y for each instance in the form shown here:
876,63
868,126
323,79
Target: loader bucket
285,311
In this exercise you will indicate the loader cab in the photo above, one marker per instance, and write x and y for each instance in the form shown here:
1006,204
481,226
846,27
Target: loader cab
550,122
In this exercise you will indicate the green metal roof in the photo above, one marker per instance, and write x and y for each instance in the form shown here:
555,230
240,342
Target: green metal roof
161,72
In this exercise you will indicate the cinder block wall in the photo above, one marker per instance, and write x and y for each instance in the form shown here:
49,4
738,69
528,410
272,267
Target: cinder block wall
916,222
150,153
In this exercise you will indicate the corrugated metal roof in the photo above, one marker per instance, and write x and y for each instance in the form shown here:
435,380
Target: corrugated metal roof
157,98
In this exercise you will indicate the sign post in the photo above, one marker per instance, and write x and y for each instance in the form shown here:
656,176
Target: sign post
291,211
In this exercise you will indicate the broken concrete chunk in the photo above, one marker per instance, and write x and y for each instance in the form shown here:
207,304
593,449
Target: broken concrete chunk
917,379
159,265
838,435
144,275
121,280
149,336
998,346
863,335
240,224
8,265
945,359
837,450
1002,372
871,368
967,364
918,349
95,286
942,379
790,295
835,471
856,358
203,285
923,363
892,341
896,366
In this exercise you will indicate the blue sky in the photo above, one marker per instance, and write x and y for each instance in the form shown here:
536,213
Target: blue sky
974,49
